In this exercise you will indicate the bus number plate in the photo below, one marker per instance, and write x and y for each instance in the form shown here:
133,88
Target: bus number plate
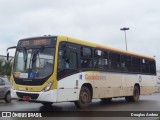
26,98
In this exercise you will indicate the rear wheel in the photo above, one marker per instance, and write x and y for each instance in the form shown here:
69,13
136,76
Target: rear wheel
84,98
47,103
135,96
8,97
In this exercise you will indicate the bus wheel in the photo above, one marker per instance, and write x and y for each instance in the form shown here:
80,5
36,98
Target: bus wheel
84,98
47,103
106,100
135,96
8,97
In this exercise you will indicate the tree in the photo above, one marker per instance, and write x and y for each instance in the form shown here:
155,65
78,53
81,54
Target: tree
1,65
5,67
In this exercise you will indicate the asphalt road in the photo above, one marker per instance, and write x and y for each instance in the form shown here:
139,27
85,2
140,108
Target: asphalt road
146,103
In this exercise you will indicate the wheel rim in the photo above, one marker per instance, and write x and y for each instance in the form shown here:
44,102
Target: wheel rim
8,97
84,97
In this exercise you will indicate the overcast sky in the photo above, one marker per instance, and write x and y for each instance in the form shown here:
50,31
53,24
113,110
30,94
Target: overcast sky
97,21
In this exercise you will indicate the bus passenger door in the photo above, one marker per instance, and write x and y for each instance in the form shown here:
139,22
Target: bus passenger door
68,74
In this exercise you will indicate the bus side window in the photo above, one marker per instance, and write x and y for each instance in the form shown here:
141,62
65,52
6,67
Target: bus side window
62,60
98,61
145,66
152,66
125,63
86,57
105,59
73,60
67,61
136,65
114,61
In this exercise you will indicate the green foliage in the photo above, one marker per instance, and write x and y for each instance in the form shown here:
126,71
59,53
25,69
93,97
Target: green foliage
1,65
5,67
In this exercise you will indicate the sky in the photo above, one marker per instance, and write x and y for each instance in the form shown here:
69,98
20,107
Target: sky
97,21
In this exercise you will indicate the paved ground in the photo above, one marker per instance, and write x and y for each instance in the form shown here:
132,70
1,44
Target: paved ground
146,103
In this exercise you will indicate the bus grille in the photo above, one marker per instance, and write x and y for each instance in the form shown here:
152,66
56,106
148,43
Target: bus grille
32,95
30,83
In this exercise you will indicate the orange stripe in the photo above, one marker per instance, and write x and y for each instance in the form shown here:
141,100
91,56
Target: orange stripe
124,52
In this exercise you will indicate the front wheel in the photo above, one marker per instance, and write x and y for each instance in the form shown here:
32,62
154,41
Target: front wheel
84,98
135,97
8,97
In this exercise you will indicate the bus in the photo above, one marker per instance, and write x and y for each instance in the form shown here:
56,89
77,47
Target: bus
50,69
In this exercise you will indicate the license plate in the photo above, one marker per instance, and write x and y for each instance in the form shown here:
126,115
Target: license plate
26,98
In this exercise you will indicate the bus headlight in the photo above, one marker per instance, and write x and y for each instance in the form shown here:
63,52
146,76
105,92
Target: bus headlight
48,86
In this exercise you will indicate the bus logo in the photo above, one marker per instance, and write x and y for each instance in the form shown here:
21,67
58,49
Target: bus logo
95,77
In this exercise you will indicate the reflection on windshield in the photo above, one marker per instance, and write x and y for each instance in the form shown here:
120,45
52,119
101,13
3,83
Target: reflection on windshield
34,63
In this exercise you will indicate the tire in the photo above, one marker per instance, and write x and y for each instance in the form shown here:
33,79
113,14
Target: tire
8,97
47,103
84,98
106,100
135,96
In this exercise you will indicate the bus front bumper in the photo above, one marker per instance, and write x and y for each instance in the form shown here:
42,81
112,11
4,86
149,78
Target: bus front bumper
49,96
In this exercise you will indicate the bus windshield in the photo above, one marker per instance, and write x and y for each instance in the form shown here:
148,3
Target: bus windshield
34,63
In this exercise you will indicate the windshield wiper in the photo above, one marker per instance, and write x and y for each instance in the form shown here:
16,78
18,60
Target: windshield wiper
34,55
36,52
25,57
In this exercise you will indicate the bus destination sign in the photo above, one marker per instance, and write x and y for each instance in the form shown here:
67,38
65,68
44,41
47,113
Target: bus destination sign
35,42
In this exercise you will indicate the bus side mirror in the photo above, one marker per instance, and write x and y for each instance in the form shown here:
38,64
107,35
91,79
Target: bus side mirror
13,47
7,55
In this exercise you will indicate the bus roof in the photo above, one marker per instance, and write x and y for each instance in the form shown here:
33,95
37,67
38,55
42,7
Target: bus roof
82,42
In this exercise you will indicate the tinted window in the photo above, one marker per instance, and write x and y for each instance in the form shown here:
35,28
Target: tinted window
105,59
125,63
67,60
98,60
86,52
73,60
145,66
97,54
63,62
114,61
86,57
86,63
152,65
136,65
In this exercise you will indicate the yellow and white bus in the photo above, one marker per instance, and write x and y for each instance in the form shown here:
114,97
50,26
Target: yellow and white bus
51,69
